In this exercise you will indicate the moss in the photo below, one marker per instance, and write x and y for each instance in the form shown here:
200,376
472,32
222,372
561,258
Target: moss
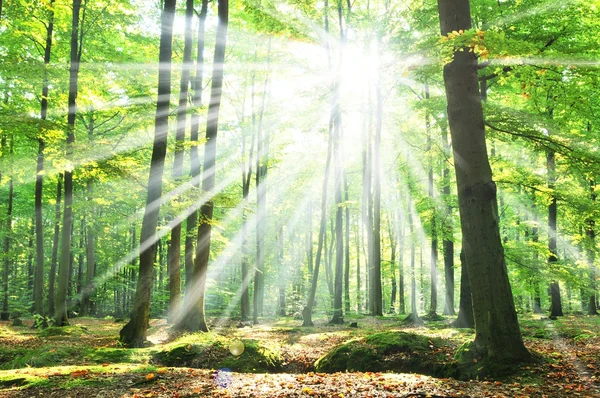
213,353
69,331
22,381
474,364
36,358
389,351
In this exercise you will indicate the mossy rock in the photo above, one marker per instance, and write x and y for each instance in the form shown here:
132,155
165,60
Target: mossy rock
389,351
214,354
69,331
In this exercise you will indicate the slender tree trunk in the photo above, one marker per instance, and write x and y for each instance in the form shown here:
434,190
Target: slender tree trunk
174,260
377,298
393,243
194,319
7,238
434,237
60,317
246,181
448,232
465,310
497,330
413,276
38,294
55,242
282,277
307,311
191,223
591,253
358,270
134,332
347,248
556,302
262,156
401,284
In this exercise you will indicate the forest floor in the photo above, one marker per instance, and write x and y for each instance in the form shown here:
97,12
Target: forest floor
85,360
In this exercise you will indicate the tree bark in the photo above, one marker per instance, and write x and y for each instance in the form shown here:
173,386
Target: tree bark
38,294
591,253
497,330
194,318
282,276
134,332
60,316
465,308
9,216
191,223
434,237
555,302
448,232
55,243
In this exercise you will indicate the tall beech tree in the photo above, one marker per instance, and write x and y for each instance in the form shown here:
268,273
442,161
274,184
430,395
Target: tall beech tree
497,330
38,299
191,223
134,332
60,316
194,317
174,256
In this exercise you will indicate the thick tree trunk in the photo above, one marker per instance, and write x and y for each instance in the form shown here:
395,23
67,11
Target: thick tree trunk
497,329
38,294
60,316
55,242
194,319
134,332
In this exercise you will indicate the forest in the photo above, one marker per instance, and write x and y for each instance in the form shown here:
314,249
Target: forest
294,198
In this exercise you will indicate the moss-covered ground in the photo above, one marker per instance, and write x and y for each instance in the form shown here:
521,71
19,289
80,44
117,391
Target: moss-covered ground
280,358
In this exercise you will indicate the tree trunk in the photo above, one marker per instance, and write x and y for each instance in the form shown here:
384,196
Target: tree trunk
174,260
60,316
134,332
358,270
38,294
497,329
465,308
376,295
308,309
393,245
434,238
556,302
261,206
194,317
282,278
347,248
55,242
191,223
591,253
448,231
413,276
9,216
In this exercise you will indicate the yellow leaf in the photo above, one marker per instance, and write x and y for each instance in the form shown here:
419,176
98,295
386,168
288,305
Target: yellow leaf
149,376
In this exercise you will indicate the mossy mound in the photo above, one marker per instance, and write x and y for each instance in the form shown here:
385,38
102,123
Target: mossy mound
213,353
473,364
69,331
389,351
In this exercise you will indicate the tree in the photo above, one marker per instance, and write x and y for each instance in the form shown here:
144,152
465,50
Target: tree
497,330
38,300
134,332
60,316
194,318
